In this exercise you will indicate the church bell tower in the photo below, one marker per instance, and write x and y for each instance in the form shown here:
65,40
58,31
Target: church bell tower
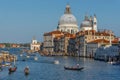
95,23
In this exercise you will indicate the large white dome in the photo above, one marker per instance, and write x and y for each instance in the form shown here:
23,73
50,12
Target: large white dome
68,22
67,19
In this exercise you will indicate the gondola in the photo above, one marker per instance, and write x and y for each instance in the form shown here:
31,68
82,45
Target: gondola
73,68
12,69
26,71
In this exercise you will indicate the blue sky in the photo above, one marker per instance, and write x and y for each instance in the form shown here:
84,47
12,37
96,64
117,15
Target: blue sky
20,20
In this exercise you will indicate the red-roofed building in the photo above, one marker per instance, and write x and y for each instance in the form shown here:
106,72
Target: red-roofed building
48,44
61,43
103,37
15,45
94,45
2,45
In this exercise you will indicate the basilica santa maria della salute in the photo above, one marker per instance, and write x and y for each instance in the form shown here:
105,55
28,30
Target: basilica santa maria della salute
79,40
68,22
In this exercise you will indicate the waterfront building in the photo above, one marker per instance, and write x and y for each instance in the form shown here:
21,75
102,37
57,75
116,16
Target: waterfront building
48,43
93,46
72,49
2,45
66,39
107,53
90,36
61,43
35,45
15,45
68,22
5,56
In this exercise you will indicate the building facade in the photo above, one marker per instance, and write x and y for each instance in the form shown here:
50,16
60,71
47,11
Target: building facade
62,43
48,43
35,45
107,53
103,37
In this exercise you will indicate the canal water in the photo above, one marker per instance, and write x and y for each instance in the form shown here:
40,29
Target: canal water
45,69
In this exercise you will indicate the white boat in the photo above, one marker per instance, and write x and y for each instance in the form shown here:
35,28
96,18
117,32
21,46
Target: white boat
6,64
36,58
28,56
112,62
56,62
21,55
116,63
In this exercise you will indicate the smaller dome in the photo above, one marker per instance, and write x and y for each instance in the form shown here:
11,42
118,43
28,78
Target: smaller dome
86,23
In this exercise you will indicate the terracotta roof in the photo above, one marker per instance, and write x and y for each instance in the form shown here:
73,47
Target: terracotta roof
73,36
103,41
65,35
118,38
69,35
53,32
93,32
56,32
58,37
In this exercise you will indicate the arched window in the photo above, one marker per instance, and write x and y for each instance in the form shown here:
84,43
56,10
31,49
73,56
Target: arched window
72,31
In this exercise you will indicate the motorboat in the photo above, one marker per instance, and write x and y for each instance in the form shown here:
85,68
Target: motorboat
116,63
28,56
6,64
35,58
21,55
56,62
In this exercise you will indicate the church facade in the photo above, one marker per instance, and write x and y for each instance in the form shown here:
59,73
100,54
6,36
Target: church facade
35,45
89,23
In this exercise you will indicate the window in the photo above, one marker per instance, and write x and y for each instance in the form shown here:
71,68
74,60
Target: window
72,31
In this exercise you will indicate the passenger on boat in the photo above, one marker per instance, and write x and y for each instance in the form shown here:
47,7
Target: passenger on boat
27,67
26,70
78,65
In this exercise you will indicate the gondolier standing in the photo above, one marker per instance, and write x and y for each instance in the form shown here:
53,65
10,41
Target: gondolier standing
78,65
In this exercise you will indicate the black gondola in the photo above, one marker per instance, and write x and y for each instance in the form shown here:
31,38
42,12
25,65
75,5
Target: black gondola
26,71
73,68
12,69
